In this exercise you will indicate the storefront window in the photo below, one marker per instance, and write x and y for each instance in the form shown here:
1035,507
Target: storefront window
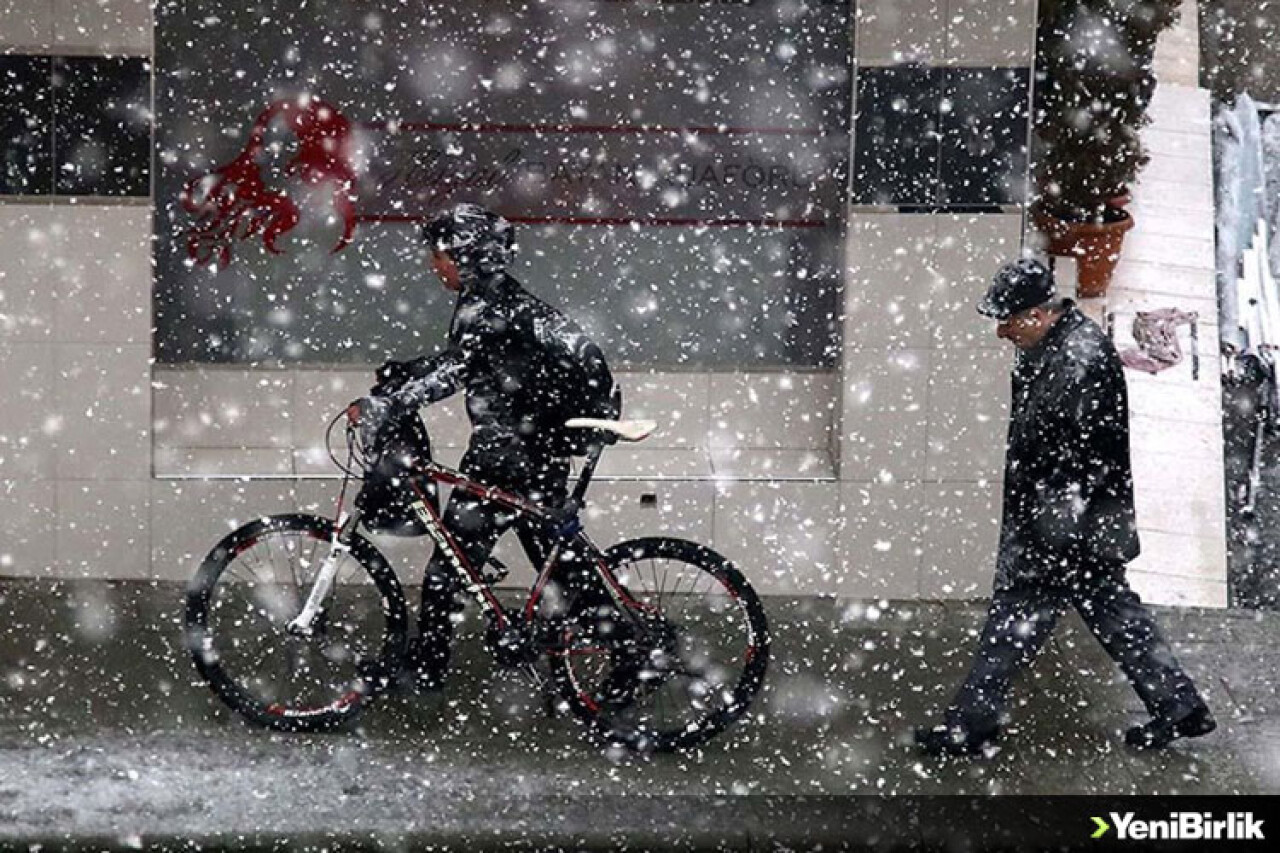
677,170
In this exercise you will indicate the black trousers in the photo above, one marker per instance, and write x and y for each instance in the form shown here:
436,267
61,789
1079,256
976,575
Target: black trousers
1021,618
508,463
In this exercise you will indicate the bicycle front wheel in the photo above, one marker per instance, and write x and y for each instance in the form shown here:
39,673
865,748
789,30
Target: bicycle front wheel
249,589
684,661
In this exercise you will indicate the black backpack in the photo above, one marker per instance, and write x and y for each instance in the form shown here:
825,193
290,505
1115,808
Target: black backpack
590,399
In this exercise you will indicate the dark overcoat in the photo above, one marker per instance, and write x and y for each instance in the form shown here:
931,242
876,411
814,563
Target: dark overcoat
1068,482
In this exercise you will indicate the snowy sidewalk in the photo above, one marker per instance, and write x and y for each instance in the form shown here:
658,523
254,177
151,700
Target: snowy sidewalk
106,732
1175,415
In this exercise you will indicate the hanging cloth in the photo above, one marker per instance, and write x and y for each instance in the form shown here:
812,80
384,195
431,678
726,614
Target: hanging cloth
1156,334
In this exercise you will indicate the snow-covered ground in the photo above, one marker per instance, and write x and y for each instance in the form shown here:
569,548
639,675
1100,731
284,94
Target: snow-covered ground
105,730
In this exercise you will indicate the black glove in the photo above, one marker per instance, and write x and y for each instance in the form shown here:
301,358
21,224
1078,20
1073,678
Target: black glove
391,375
373,414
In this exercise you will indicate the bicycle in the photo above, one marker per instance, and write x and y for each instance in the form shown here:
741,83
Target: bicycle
297,622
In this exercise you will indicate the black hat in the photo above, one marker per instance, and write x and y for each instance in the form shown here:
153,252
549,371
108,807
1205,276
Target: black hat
1017,286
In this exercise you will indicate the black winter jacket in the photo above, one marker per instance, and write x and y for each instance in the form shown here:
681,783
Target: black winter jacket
1068,483
525,367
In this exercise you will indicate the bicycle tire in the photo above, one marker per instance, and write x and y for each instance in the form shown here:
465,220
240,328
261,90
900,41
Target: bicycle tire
583,694
248,598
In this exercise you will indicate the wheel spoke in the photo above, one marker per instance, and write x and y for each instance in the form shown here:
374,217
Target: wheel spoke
247,604
688,656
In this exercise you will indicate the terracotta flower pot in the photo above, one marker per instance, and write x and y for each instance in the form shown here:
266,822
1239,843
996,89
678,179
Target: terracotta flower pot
1121,199
1096,248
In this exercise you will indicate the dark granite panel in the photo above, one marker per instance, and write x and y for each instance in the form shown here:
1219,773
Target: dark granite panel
896,132
984,136
102,134
26,125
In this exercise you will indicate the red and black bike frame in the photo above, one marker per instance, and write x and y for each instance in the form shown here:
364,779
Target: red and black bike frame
562,523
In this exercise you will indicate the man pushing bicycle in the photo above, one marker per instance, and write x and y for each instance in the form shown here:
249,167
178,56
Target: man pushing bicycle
526,370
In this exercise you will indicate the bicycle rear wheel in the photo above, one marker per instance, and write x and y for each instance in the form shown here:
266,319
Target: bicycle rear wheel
254,583
685,661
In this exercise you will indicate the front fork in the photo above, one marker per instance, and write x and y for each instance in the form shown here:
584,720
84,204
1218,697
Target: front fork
303,625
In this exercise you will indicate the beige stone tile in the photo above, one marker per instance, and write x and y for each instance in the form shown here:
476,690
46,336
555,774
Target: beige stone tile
28,519
1198,402
26,24
1182,556
1163,279
782,535
29,419
103,25
1195,443
1180,68
621,462
102,396
990,32
1168,142
1194,171
1173,195
890,282
1178,592
312,463
190,517
213,407
320,496
617,511
26,277
103,529
749,463
1184,223
777,410
968,416
317,397
970,249
1164,249
201,462
102,264
1184,109
885,425
678,402
1176,497
961,531
880,541
888,32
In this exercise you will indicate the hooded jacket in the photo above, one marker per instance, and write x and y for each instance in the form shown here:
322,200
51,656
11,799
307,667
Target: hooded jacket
525,367
1068,483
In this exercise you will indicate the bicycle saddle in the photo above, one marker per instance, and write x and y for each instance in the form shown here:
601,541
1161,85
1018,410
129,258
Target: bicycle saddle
625,430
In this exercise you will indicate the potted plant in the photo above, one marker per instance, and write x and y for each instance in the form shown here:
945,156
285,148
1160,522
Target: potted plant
1094,82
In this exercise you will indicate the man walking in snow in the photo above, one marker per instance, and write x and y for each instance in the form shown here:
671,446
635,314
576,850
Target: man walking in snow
1068,525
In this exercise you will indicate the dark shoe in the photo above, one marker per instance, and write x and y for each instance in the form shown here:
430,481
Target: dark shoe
953,740
1159,733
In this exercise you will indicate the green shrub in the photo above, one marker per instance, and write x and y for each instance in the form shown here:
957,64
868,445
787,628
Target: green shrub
1093,85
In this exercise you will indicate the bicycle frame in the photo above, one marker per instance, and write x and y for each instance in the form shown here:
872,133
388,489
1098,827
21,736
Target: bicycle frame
564,520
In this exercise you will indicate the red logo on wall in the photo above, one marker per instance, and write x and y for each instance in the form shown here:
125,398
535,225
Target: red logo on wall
607,175
233,202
